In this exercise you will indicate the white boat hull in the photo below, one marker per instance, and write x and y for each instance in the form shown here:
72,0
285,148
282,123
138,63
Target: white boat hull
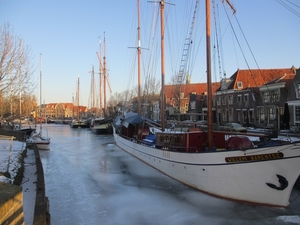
39,142
43,145
240,180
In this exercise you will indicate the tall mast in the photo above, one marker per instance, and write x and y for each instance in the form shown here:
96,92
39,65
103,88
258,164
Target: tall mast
100,78
92,89
104,77
209,88
139,60
40,93
162,15
78,105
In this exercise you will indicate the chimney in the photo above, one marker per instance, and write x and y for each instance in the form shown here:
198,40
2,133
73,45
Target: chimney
188,79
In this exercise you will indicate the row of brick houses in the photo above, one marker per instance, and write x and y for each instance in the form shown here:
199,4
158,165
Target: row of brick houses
258,97
61,111
249,97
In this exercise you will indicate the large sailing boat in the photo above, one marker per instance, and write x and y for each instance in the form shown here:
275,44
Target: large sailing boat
37,138
78,123
222,164
102,125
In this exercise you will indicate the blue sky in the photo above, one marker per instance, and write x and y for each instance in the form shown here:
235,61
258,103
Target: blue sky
67,34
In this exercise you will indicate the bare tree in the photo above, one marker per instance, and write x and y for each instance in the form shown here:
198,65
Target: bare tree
16,71
152,87
176,90
126,98
15,68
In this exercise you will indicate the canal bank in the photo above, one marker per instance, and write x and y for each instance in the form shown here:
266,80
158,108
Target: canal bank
22,187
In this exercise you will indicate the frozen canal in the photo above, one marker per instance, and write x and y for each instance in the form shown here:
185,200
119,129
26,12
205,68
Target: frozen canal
89,180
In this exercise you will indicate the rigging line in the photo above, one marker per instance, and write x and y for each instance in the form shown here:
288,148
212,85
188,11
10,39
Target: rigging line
170,37
235,35
215,8
293,4
154,24
221,38
268,90
249,50
288,7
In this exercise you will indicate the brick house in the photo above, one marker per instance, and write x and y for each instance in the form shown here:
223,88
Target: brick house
293,100
253,97
188,99
62,110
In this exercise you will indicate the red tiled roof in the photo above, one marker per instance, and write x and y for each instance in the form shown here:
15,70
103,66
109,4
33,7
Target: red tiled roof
257,77
288,78
187,89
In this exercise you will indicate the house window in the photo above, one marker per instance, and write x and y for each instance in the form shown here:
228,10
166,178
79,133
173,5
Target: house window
230,112
298,90
224,114
266,96
281,110
193,105
275,95
230,99
251,116
239,99
271,113
223,100
245,116
261,114
218,100
246,98
239,85
297,114
238,116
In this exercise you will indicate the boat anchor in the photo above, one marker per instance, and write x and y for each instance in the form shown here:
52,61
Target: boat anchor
283,183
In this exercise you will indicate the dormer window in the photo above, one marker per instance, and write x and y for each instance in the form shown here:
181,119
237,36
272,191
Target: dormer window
298,90
239,85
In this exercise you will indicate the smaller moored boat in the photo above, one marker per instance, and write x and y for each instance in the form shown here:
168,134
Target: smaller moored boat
101,126
36,139
78,124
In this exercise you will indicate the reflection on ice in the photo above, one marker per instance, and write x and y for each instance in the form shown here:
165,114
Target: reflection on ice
91,181
290,219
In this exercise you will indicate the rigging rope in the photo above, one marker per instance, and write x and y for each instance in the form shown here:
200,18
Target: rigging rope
289,7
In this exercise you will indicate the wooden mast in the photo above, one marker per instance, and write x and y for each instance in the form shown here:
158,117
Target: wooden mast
162,15
209,88
92,89
100,79
40,94
139,60
78,106
104,78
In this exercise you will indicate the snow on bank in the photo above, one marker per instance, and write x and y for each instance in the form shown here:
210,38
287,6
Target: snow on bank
10,152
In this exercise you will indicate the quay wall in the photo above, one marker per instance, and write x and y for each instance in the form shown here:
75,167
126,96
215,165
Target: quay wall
41,210
11,204
11,196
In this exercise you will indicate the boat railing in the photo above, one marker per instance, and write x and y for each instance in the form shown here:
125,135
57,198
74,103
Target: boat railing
172,148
